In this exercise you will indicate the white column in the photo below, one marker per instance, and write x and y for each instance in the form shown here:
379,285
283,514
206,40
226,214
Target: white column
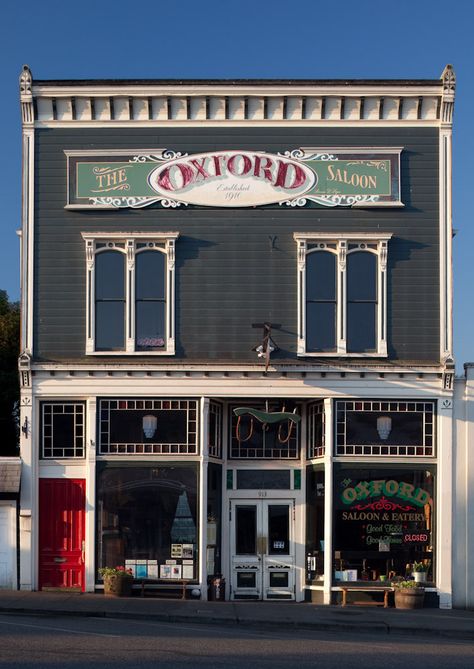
28,495
444,503
328,501
91,446
204,460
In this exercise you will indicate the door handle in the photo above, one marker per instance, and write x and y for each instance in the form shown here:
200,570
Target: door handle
261,545
83,550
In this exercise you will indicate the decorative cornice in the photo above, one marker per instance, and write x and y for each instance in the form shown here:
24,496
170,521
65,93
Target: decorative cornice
117,103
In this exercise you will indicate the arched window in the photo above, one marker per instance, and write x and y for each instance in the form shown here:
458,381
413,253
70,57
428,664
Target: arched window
342,294
321,301
110,301
361,302
130,293
150,300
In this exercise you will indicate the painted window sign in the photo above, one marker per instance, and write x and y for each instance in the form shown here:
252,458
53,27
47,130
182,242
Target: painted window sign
382,488
352,177
384,511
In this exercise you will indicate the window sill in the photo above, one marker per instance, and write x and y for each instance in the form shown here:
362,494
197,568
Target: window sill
338,354
130,353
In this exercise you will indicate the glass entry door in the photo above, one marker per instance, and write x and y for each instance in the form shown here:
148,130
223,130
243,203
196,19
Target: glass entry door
262,549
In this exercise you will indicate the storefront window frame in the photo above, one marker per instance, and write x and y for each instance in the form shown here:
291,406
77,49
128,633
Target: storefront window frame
103,465
431,467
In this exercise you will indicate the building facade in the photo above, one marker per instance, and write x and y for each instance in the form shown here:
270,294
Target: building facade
237,334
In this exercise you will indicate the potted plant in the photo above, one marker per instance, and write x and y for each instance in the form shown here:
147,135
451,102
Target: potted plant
420,569
408,595
118,581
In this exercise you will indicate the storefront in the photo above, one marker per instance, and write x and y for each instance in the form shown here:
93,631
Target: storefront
236,349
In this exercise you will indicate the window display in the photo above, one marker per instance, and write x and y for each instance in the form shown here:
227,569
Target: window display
147,519
383,522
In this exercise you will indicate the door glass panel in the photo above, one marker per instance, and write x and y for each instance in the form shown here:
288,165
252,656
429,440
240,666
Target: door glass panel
246,530
278,529
279,579
246,579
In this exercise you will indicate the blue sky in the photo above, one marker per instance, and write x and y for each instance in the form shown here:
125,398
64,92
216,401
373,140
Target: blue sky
412,39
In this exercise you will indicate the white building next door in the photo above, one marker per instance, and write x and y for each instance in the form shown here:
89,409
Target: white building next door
262,549
7,546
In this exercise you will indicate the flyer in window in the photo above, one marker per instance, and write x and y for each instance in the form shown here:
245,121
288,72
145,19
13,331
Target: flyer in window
131,564
152,569
176,550
188,551
142,570
176,571
188,571
165,571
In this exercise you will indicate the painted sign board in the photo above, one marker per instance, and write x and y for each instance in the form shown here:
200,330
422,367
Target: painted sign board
237,178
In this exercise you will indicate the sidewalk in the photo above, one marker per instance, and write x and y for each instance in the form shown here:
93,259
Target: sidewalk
455,624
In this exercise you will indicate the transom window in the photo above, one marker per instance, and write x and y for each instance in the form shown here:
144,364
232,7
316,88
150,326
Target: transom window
392,428
130,293
342,291
148,426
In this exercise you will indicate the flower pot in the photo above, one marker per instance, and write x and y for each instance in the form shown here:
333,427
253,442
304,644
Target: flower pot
419,576
409,598
118,586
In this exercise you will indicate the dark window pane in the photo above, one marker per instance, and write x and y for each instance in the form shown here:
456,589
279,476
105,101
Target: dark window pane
361,327
110,276
150,275
361,276
321,276
63,430
150,325
406,429
127,426
278,530
246,530
258,479
109,326
321,326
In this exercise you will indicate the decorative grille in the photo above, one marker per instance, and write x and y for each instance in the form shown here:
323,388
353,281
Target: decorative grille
62,430
395,429
121,427
250,439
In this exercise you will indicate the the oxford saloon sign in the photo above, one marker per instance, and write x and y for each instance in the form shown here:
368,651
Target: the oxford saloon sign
234,178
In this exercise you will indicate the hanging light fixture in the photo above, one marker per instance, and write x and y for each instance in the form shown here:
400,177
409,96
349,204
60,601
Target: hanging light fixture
384,427
149,426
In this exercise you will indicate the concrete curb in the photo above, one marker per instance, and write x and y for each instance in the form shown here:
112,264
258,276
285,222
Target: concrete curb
351,626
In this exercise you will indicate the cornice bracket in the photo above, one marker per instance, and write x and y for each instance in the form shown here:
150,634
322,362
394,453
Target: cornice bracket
26,96
449,88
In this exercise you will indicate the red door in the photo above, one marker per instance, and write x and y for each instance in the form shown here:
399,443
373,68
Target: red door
61,533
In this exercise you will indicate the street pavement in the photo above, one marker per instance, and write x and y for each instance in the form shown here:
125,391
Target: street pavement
455,624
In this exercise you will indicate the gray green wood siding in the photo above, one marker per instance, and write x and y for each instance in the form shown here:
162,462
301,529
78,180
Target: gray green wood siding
228,273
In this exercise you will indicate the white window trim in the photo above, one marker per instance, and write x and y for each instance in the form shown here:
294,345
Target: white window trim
341,241
130,240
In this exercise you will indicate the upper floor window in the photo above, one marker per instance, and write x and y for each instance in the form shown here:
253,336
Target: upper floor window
342,291
130,293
